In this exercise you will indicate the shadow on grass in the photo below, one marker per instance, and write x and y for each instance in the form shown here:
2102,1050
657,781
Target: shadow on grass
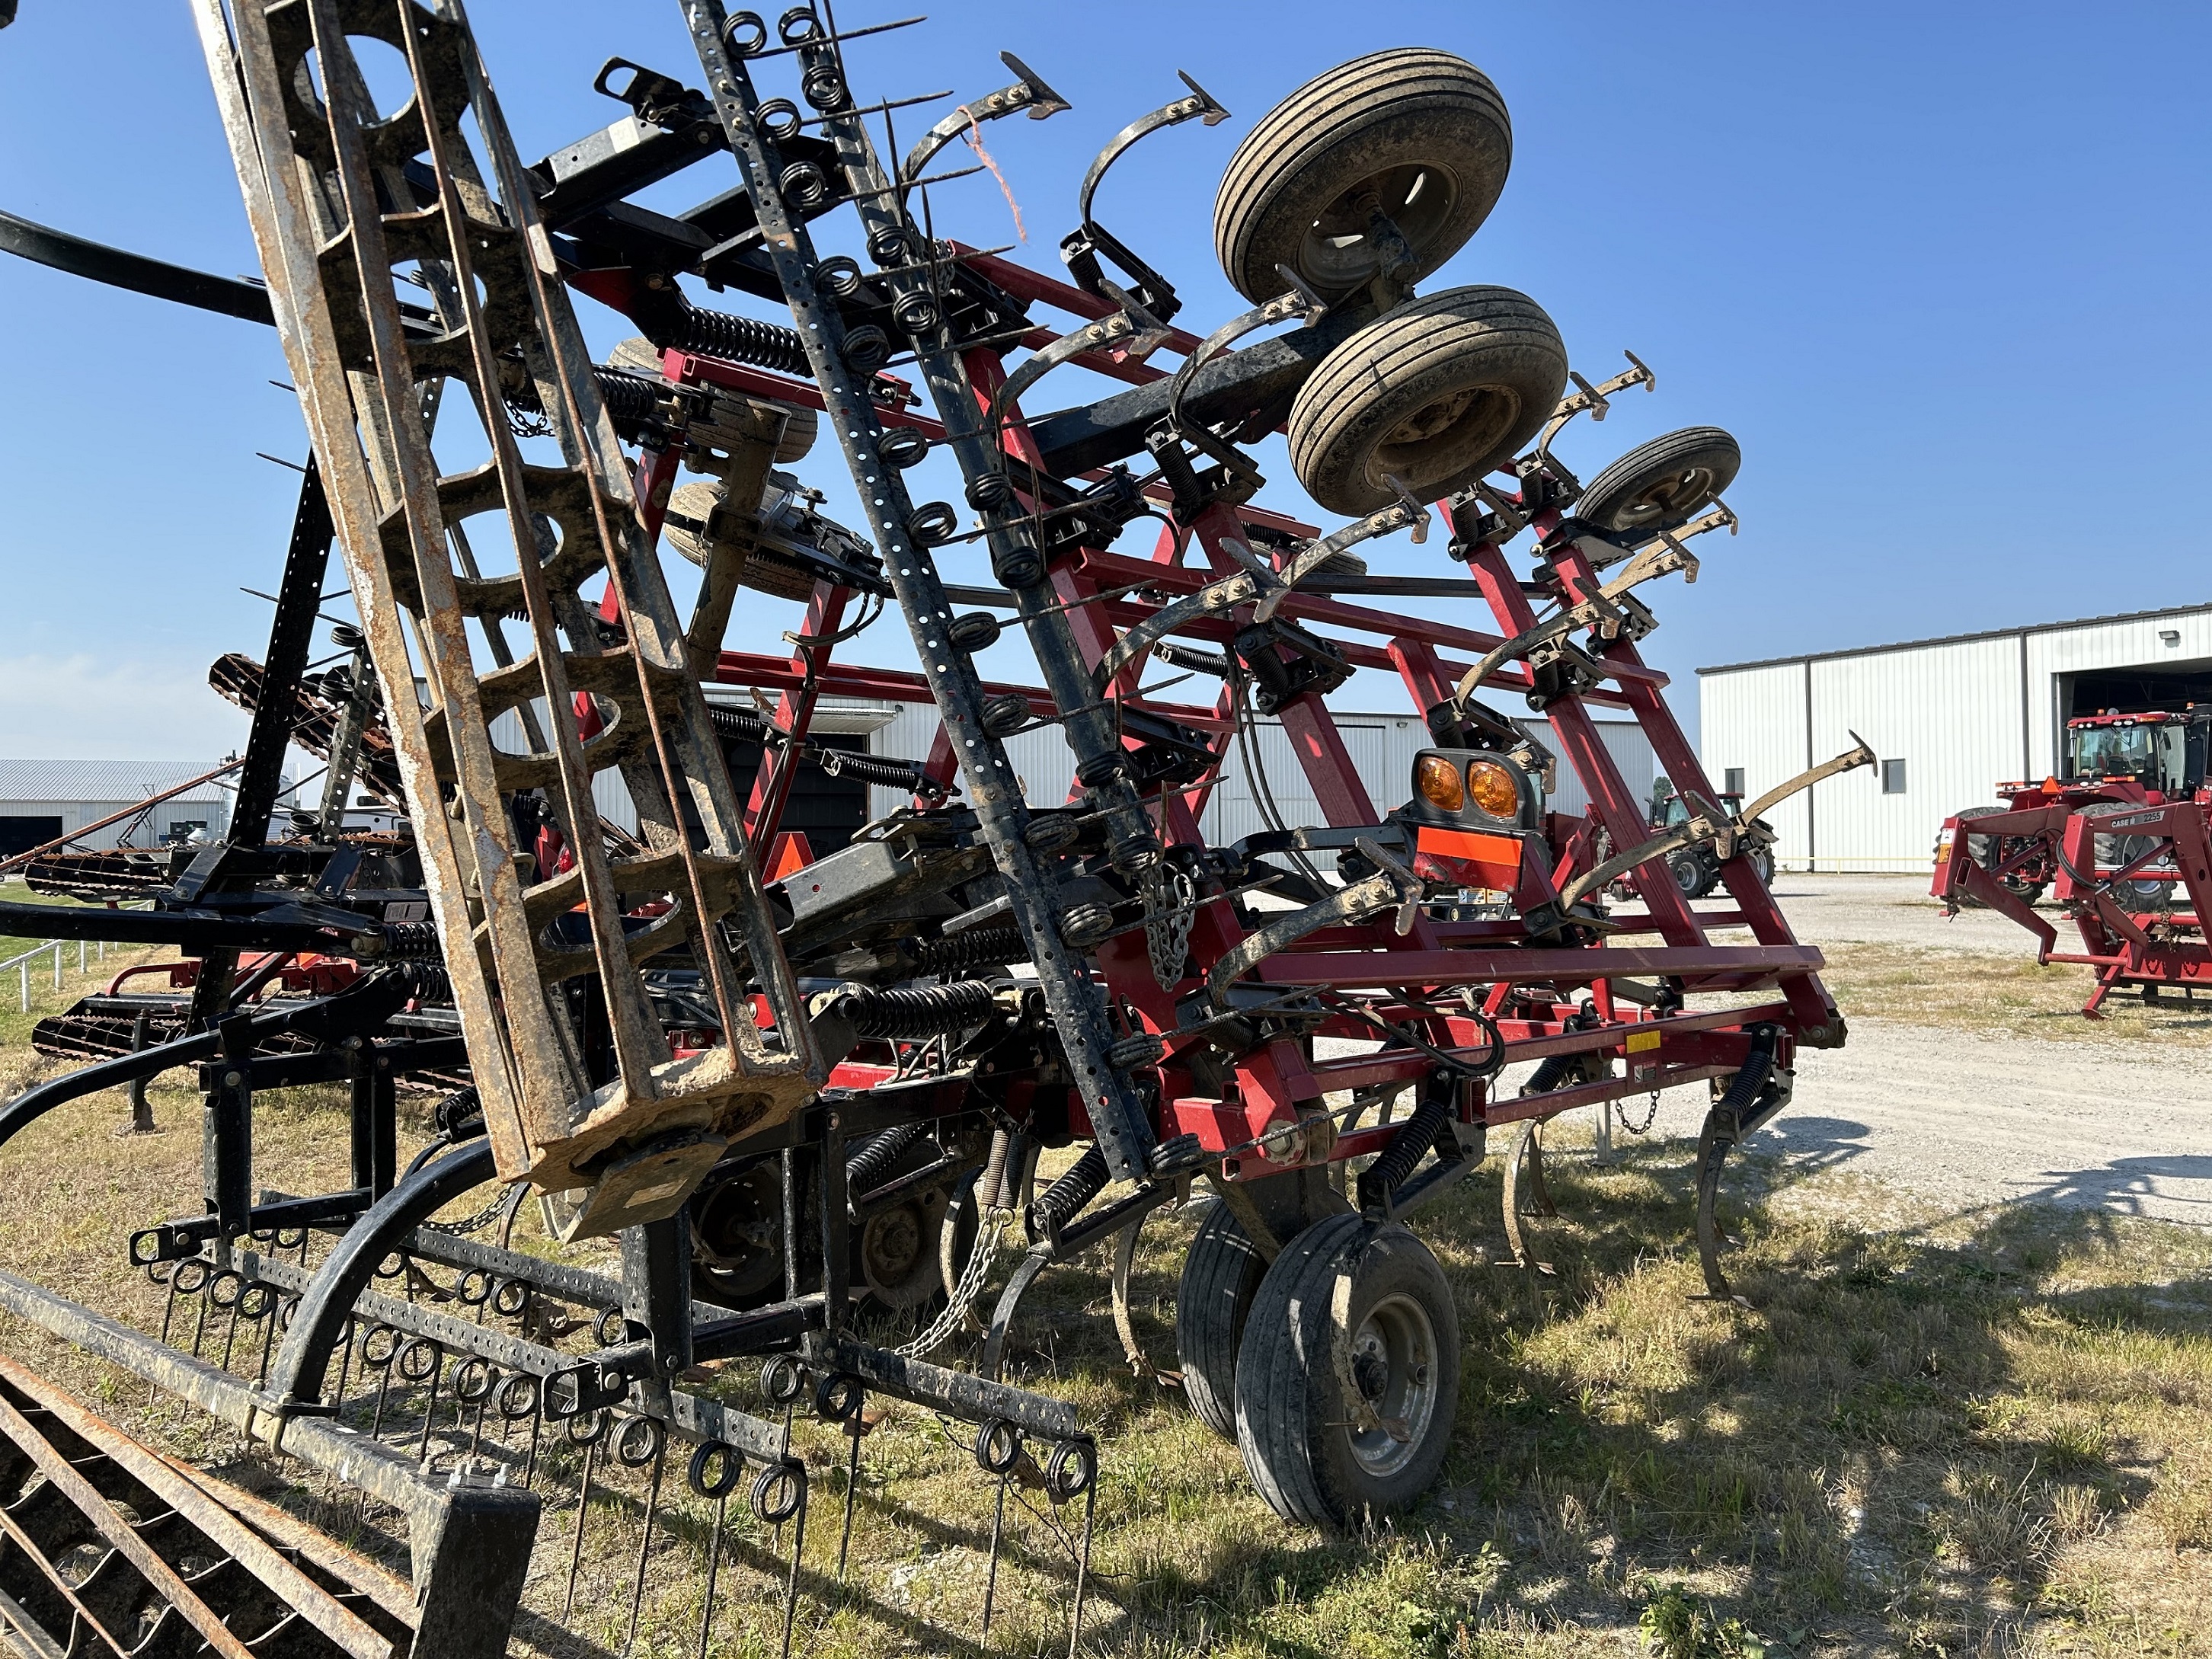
1891,1448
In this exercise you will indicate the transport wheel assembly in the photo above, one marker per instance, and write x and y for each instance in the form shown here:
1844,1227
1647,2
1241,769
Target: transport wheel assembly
1220,1276
1662,484
1347,1380
1418,136
1434,395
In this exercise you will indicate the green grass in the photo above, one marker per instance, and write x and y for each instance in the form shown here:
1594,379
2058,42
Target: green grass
1984,1434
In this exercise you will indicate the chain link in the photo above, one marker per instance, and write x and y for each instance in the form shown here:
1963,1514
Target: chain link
988,1230
481,1219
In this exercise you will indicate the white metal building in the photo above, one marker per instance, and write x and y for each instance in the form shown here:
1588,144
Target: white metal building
41,800
1951,718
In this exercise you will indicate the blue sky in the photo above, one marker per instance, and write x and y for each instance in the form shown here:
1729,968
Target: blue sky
1940,268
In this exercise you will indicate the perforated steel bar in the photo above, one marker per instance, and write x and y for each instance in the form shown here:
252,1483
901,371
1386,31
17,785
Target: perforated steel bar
1076,1003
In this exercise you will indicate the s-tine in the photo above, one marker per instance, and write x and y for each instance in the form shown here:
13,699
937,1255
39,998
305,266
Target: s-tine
1077,1003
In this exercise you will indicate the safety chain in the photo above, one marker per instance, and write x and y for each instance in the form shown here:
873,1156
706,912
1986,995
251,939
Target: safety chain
988,1230
1651,1116
481,1219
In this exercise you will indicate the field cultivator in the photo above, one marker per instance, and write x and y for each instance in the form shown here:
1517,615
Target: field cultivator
2120,842
765,1119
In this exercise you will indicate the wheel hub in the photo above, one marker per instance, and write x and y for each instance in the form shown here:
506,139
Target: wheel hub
1393,1365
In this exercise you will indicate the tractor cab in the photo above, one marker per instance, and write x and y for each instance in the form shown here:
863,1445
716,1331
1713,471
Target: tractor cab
2163,754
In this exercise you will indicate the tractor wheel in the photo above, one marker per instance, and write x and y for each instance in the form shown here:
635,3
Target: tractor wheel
1693,875
1762,863
1220,1276
1662,484
1436,394
1424,131
1347,1380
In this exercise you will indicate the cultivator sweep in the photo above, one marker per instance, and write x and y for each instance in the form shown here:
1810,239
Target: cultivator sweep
792,1102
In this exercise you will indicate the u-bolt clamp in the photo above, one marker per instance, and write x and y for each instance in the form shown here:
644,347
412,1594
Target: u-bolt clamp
1029,93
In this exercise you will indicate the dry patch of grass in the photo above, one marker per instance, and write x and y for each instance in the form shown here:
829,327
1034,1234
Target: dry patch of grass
1978,1435
2001,996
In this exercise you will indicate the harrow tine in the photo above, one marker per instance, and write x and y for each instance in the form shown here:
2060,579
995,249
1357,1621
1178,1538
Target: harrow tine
644,1548
583,1512
720,1488
1083,1567
991,1573
791,1584
855,1426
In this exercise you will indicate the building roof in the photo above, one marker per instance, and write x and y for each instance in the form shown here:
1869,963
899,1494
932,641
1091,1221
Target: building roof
118,781
1961,638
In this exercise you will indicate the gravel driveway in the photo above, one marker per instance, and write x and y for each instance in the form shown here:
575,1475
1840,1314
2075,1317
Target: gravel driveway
1970,1121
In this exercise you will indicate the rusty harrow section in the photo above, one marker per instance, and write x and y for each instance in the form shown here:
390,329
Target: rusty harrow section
318,175
109,1546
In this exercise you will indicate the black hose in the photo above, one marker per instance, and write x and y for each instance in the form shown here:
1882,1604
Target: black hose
1058,1204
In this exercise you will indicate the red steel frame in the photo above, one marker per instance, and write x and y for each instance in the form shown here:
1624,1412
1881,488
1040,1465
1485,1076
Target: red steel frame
1526,989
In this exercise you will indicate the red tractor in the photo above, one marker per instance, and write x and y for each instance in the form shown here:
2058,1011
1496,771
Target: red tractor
2114,836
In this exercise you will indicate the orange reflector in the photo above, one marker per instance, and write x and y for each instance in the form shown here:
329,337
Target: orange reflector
1468,857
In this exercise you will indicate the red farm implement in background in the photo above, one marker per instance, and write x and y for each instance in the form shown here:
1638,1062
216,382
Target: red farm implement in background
2118,840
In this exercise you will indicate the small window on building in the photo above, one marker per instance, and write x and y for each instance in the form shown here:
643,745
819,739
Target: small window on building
1893,777
182,828
1732,781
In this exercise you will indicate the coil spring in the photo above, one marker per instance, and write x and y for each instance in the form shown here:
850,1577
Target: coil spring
976,947
411,941
740,340
925,1011
989,1184
426,981
629,398
866,1168
1758,1067
1430,1119
1057,1205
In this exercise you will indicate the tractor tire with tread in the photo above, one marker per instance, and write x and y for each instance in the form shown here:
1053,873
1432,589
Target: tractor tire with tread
1220,1276
1295,1386
1662,484
1426,130
1437,393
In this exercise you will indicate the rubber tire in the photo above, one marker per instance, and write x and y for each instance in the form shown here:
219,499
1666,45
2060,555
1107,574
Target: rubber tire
1490,346
1981,850
1289,1411
1410,106
1221,1274
1762,864
1689,870
1613,500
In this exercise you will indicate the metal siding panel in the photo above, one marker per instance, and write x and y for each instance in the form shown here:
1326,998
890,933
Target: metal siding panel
1951,713
1755,719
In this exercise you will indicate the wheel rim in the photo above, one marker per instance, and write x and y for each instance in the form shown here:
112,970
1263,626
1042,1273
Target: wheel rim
1666,498
1417,199
1440,440
1394,1366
